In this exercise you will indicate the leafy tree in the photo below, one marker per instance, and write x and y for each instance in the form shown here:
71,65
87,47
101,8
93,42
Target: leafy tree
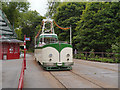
99,27
68,14
116,47
25,22
30,25
13,10
19,33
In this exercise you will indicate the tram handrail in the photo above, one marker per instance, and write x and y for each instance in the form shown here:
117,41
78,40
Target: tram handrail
21,79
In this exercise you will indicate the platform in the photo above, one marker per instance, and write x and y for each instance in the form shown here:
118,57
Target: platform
11,72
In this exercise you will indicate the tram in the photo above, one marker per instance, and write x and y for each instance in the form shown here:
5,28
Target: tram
50,52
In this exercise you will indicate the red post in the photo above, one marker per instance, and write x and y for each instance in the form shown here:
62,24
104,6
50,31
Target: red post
24,52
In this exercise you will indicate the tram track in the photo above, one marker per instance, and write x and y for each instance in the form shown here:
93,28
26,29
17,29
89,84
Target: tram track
97,66
91,81
58,80
88,79
63,79
96,83
47,74
74,74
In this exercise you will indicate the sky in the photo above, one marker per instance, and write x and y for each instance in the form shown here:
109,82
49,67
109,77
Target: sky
39,5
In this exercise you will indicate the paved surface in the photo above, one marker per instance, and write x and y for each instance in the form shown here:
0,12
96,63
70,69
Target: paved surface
103,74
11,72
0,74
36,77
85,74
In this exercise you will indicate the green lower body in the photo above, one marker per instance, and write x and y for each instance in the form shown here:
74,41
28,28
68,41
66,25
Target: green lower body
56,67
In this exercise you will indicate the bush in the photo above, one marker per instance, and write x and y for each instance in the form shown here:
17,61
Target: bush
92,53
97,58
117,56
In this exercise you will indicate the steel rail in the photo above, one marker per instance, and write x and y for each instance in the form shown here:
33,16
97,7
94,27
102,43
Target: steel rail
58,81
90,80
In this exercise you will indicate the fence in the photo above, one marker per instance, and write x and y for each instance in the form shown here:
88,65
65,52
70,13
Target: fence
21,79
99,56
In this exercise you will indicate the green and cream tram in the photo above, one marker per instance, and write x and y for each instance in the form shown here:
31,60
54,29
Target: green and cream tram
50,53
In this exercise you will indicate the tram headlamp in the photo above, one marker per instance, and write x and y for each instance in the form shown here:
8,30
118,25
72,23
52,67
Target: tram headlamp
50,55
68,55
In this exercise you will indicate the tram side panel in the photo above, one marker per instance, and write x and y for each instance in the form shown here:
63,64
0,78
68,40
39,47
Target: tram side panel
38,55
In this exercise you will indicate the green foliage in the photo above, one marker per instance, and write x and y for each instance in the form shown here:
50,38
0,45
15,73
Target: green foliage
25,22
30,25
99,27
92,53
117,56
96,56
116,47
38,27
68,14
13,10
19,33
95,25
99,59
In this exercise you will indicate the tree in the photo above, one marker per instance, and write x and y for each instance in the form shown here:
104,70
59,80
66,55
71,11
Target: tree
68,14
13,10
99,27
26,22
19,33
30,25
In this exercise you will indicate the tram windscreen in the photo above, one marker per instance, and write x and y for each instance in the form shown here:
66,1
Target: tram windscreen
49,39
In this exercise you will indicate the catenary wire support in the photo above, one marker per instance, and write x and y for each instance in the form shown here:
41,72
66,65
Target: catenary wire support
70,35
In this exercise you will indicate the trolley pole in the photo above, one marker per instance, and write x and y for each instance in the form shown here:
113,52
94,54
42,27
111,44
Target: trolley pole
24,52
70,35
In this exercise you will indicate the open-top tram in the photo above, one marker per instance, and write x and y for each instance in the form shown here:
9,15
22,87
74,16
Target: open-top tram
50,53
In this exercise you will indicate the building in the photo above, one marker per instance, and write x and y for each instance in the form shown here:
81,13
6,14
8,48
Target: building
9,45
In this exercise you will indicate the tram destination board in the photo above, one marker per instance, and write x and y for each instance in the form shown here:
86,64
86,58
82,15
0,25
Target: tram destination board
27,38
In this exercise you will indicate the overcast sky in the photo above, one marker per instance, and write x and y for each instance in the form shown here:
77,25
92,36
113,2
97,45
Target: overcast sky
39,5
